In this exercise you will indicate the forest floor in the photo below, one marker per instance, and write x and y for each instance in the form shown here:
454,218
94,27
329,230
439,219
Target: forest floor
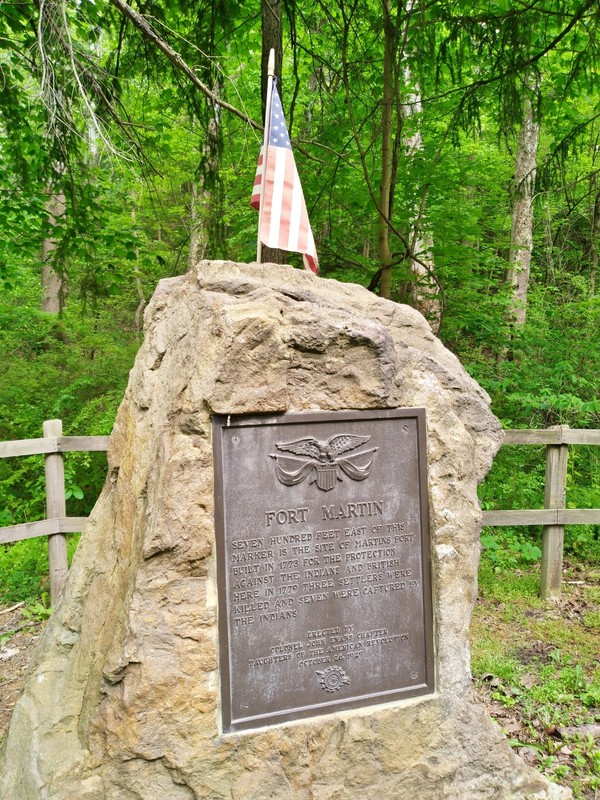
536,668
20,630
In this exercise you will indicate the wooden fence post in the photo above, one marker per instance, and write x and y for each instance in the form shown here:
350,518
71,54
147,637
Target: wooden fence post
56,507
553,535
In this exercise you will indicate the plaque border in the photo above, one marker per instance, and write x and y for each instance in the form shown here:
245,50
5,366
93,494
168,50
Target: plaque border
222,422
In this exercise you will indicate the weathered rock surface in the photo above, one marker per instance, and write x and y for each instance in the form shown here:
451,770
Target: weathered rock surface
121,701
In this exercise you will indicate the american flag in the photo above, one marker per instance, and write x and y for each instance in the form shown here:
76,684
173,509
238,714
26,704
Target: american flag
284,219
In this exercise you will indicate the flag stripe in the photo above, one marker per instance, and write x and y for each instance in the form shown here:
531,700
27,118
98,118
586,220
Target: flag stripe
267,201
274,178
304,228
297,201
286,220
255,199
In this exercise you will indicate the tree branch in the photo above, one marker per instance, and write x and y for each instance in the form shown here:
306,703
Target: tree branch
522,65
142,24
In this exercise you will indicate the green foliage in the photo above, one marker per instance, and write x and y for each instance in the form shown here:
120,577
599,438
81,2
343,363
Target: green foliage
38,610
505,549
24,571
133,171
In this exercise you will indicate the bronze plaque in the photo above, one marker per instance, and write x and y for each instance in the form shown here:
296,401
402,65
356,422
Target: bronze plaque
323,563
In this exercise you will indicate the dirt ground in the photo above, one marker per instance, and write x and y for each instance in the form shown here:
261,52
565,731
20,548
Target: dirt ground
19,634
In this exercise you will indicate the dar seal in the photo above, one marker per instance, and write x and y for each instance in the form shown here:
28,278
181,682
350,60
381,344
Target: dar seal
332,679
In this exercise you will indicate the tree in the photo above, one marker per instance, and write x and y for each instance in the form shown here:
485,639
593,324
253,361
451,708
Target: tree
521,238
54,284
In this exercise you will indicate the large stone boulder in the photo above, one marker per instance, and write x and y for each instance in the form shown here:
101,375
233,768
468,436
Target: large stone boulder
121,701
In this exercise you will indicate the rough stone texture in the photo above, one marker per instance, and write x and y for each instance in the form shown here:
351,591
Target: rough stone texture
121,701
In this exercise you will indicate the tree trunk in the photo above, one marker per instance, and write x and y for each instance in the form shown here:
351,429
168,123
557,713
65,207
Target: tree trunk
206,224
425,290
195,229
272,38
521,237
385,188
54,284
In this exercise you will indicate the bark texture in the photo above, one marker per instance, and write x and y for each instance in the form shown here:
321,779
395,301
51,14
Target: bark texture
54,285
521,237
271,39
425,292
385,187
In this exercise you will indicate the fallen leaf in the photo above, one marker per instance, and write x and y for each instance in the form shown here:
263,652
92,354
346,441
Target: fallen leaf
528,680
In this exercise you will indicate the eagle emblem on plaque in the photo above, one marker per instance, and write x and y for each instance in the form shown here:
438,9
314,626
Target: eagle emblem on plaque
323,462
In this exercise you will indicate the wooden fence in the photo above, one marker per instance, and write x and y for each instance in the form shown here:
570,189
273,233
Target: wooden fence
57,524
554,516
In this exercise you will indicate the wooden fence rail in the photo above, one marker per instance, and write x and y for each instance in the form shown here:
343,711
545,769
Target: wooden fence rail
553,517
57,524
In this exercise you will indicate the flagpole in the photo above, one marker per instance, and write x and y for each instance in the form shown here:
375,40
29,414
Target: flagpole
270,76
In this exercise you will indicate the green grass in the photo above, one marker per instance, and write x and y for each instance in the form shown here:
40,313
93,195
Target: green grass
536,667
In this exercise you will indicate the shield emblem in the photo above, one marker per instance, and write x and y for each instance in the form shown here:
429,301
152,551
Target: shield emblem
326,476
